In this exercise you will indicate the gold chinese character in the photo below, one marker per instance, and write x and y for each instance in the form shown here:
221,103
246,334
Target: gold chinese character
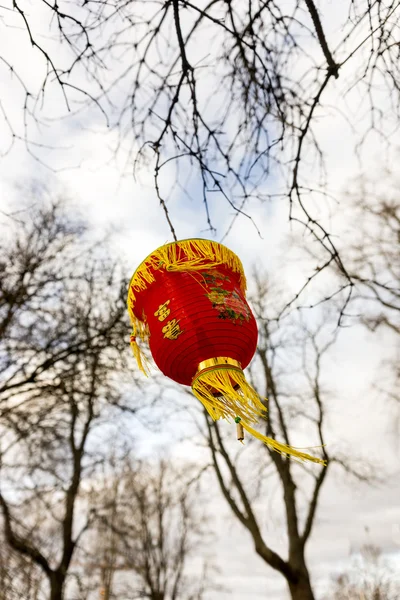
162,312
172,330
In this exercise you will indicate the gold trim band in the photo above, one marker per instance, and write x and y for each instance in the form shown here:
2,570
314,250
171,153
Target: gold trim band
220,360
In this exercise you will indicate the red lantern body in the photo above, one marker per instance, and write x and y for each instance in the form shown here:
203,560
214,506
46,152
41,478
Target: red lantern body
193,317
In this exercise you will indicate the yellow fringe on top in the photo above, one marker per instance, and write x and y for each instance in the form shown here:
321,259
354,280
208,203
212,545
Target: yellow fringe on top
185,255
236,399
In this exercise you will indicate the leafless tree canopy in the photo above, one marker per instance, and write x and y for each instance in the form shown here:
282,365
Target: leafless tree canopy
151,528
368,577
373,258
62,350
72,519
374,255
223,93
62,307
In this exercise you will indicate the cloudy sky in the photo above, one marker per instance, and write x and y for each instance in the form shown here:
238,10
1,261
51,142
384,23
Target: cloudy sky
129,208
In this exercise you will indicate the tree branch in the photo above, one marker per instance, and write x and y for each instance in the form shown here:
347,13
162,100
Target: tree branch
19,544
249,520
333,66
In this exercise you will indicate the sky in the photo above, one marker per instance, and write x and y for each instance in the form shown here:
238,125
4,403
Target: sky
130,209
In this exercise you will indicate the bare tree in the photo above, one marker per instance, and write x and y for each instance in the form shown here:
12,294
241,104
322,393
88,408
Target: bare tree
373,258
62,365
369,577
149,68
151,530
374,252
289,371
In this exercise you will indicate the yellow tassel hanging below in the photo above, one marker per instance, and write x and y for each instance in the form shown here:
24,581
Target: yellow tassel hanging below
141,360
225,393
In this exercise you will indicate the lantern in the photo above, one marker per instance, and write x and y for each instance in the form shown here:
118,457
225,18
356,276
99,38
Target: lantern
187,301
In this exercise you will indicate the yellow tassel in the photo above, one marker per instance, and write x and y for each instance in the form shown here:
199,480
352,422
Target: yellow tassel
139,329
243,402
141,360
224,392
282,448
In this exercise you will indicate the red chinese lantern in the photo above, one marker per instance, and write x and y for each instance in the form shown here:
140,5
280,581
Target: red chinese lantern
187,301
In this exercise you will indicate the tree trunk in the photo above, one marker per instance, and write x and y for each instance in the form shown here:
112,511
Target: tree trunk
56,587
301,588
